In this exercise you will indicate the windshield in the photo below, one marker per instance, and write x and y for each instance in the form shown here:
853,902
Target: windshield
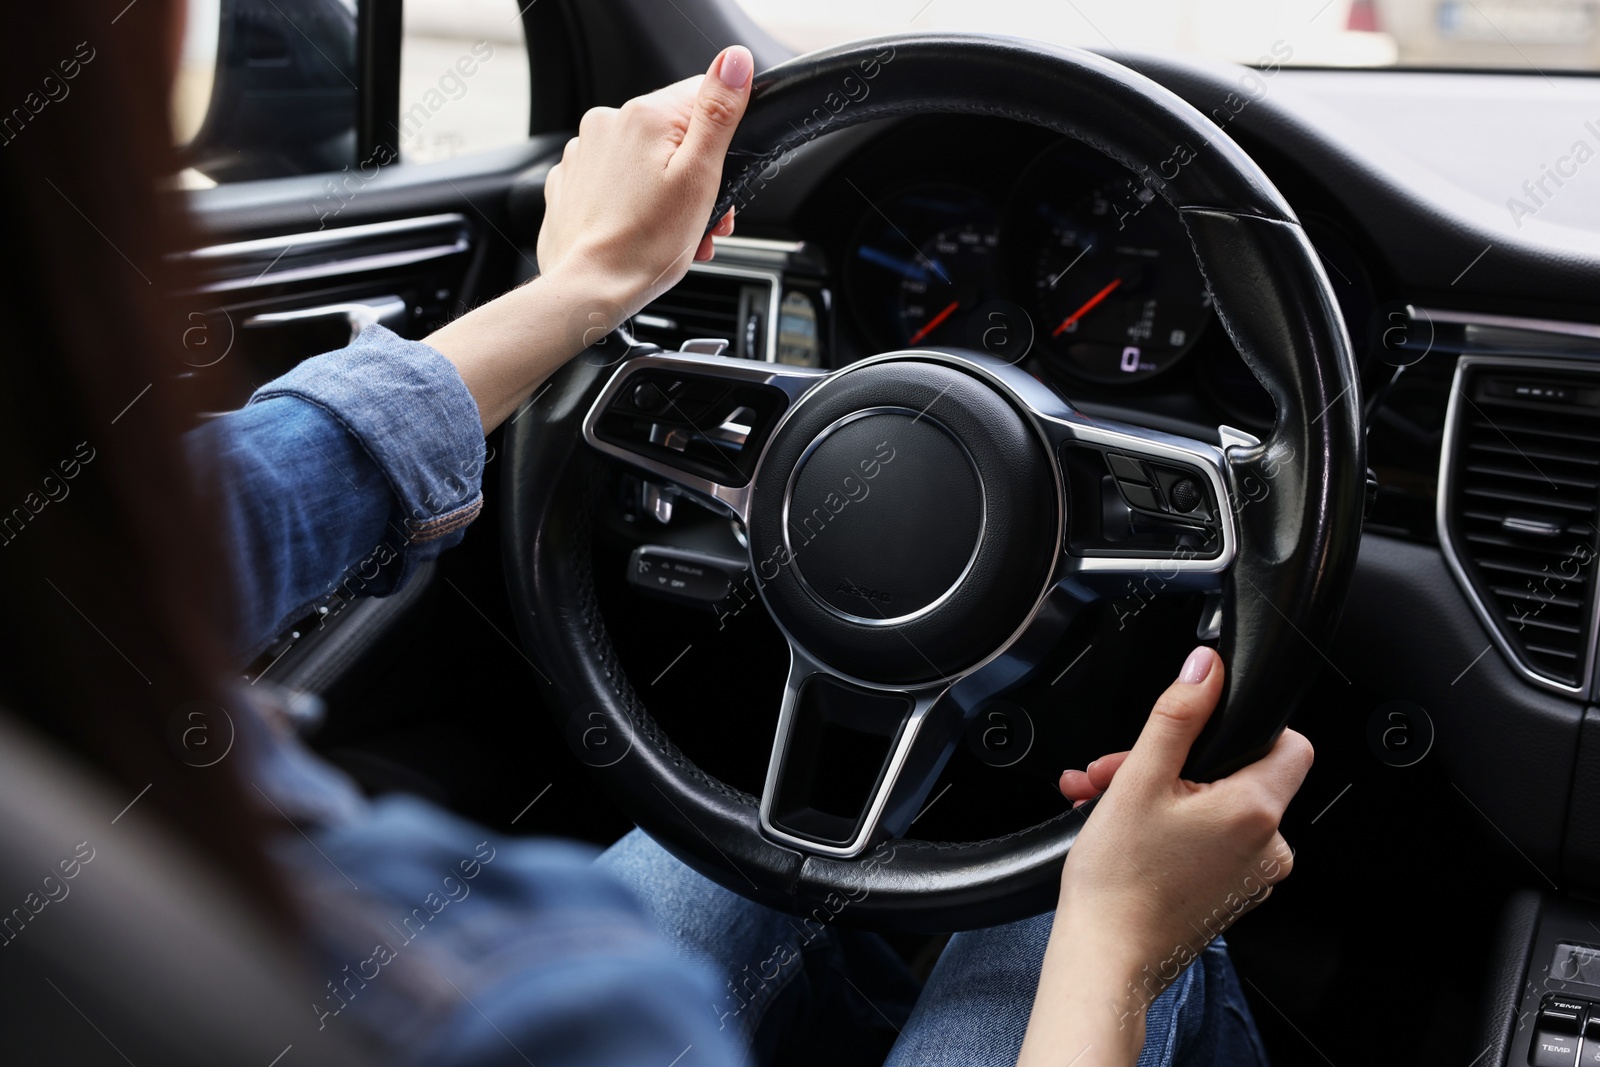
1529,35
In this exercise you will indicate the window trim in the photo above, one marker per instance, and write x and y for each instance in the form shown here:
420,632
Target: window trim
378,41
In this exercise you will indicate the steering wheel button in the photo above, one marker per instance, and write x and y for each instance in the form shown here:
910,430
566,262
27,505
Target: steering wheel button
648,397
1186,495
1126,468
1140,496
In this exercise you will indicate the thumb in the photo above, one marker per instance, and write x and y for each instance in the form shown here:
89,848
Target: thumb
1177,718
718,107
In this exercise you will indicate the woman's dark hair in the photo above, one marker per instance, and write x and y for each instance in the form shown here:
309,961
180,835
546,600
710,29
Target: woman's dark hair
117,603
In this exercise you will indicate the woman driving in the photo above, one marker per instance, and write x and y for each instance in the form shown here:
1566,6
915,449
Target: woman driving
435,941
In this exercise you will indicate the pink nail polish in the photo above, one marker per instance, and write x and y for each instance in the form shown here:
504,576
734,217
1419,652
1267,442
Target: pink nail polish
735,68
1197,666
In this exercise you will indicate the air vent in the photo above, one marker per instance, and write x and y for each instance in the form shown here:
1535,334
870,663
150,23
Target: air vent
712,301
1519,507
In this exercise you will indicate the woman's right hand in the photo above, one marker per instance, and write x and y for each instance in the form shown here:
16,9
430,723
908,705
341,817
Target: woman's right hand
1161,867
626,213
626,208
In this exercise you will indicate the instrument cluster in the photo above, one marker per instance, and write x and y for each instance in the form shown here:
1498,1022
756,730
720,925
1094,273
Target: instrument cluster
1076,263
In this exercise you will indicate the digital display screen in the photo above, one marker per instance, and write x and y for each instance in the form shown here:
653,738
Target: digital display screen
1576,963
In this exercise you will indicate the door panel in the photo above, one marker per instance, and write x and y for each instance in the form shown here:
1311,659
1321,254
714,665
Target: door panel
292,267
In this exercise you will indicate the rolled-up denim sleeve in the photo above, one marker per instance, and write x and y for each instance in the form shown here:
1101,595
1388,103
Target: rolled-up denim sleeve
338,479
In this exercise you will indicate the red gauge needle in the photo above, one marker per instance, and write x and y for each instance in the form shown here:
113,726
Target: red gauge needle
933,323
1088,306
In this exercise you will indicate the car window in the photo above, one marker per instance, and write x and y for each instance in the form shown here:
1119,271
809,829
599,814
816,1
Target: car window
269,88
463,78
197,67
1537,35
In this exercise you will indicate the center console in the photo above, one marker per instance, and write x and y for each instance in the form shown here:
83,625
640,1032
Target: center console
1544,996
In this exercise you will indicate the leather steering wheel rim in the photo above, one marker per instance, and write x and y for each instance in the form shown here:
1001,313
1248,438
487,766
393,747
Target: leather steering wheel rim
1297,530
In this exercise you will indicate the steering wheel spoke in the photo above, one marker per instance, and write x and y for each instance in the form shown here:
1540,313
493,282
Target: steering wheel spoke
852,764
1148,512
697,422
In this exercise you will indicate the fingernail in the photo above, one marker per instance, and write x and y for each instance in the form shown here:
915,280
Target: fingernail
736,67
1091,766
1076,804
1196,667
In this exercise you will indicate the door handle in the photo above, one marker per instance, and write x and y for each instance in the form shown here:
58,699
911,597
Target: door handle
389,311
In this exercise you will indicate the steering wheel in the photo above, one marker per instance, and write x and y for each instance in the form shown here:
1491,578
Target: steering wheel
923,525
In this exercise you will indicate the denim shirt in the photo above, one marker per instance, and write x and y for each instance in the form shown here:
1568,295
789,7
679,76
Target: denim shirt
440,942
339,478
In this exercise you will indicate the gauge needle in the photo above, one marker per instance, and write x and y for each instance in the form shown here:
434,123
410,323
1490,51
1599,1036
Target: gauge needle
1088,306
933,323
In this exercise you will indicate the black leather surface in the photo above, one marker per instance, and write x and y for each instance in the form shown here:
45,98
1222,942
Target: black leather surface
1301,535
1182,155
1581,851
1506,745
1508,969
1299,498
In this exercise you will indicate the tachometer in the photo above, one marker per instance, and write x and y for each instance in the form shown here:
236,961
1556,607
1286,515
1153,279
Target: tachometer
1115,284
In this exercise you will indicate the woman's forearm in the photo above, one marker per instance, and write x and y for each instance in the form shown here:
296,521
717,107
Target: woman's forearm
506,348
1084,1014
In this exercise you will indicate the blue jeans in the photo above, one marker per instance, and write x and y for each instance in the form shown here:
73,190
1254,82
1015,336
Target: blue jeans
788,980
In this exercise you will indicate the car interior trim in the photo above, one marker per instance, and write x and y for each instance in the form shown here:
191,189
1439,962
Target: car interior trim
1452,552
341,267
735,501
343,234
774,283
802,669
1587,331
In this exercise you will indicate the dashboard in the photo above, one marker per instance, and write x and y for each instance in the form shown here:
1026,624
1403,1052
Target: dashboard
986,234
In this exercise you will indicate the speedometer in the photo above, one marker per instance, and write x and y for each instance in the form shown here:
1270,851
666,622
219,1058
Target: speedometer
922,262
955,268
1115,285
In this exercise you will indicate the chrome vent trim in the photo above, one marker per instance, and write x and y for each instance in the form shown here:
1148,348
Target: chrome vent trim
337,252
1494,501
716,301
